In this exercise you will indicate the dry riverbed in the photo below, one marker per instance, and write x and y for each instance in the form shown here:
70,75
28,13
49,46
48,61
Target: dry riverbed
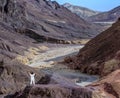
47,62
47,58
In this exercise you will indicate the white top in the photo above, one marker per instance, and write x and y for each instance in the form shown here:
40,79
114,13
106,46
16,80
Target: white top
32,75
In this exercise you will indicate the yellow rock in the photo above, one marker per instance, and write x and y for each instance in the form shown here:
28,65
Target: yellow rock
22,59
33,50
43,48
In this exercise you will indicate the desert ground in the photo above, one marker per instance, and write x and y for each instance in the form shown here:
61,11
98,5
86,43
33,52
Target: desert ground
48,62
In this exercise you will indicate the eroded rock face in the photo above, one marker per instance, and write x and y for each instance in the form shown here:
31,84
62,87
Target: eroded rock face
47,19
101,54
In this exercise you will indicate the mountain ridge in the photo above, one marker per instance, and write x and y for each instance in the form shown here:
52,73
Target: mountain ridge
83,12
108,16
49,19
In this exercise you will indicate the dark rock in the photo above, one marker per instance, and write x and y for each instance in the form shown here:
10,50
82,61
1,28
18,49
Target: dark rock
45,80
54,91
109,88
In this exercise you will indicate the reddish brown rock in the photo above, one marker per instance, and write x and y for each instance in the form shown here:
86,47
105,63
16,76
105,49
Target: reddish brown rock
101,54
108,85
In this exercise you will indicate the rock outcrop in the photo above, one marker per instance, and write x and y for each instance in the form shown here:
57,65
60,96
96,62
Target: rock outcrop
108,86
14,76
103,19
53,91
101,54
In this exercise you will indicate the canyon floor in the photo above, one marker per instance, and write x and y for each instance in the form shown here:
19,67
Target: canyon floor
48,62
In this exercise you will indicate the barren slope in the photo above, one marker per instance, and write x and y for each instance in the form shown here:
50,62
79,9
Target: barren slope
101,54
109,16
43,20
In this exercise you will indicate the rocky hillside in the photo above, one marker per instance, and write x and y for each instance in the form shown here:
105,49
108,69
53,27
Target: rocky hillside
108,86
13,48
103,19
109,16
46,20
101,55
24,23
81,11
14,76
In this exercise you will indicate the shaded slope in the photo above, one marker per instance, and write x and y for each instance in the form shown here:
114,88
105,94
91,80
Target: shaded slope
48,19
101,54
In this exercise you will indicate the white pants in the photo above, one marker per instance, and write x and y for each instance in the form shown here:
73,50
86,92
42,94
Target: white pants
32,81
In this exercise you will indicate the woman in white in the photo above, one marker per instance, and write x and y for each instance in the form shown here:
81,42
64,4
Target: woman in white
32,78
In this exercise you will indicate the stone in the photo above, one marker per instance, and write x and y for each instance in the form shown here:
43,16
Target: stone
100,56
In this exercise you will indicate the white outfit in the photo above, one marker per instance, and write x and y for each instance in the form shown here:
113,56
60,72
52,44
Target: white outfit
32,79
